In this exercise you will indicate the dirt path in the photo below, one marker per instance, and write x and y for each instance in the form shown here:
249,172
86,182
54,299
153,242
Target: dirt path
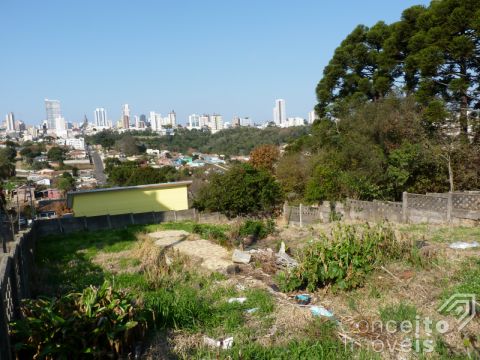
213,257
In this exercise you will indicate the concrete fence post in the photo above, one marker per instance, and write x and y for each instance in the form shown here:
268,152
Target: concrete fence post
405,207
85,223
109,221
59,220
300,213
449,207
132,220
175,215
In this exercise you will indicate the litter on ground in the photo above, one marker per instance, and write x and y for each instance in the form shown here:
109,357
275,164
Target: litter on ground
240,300
319,310
464,245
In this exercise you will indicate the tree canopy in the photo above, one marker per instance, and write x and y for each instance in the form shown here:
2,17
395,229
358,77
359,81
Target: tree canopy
242,190
432,53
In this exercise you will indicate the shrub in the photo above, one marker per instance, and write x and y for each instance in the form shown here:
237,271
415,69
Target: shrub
241,190
344,260
99,322
258,228
212,232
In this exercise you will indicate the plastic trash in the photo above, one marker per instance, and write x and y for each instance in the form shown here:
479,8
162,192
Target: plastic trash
303,299
319,310
251,311
464,245
224,344
240,300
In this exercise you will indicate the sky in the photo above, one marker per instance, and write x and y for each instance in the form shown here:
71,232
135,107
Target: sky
232,57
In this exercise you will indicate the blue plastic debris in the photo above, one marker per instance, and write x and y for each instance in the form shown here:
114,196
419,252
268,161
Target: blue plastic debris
303,299
320,311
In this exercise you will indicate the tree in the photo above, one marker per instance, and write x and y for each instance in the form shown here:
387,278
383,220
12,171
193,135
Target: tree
66,182
56,153
265,157
292,173
242,190
7,167
128,145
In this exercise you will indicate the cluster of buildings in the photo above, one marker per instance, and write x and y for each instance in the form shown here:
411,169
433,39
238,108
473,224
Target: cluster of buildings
280,118
56,125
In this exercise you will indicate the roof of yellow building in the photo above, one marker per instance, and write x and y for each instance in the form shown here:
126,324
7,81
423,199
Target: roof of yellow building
71,194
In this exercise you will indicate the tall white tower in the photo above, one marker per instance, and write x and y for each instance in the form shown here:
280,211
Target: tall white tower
52,108
100,117
10,120
125,116
279,114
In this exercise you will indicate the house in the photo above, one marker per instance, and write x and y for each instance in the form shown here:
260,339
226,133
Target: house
129,199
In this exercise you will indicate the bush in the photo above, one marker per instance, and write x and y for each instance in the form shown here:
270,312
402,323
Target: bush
97,323
240,191
258,228
212,232
344,260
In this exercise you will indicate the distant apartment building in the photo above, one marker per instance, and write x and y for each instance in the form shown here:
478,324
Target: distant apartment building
171,119
194,122
60,127
53,111
312,116
294,121
216,122
100,117
125,116
10,121
238,121
279,113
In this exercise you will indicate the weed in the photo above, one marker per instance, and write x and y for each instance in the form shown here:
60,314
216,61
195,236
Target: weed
97,323
343,260
398,313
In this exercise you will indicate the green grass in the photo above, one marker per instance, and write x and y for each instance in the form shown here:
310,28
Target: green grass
442,234
398,313
465,281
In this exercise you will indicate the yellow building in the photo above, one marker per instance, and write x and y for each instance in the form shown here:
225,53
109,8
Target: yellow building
130,199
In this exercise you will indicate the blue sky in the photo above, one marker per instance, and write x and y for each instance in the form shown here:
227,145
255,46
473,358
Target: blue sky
202,56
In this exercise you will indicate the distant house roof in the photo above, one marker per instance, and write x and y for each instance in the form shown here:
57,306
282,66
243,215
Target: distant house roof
71,194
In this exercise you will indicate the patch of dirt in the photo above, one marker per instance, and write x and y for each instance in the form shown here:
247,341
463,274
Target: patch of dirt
212,256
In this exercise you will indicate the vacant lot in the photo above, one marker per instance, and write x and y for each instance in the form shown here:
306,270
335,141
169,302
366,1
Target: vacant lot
190,297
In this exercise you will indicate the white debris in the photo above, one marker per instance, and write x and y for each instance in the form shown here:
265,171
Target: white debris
240,300
224,344
319,310
241,257
464,245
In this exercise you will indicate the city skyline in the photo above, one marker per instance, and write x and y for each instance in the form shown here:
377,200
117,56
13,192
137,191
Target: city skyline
170,66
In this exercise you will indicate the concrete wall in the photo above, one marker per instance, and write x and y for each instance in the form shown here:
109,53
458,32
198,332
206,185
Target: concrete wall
104,222
452,208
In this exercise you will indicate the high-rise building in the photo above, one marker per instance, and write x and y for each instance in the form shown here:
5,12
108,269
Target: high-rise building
53,111
10,120
312,116
236,121
216,122
125,116
155,120
194,122
100,117
60,127
171,119
279,114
